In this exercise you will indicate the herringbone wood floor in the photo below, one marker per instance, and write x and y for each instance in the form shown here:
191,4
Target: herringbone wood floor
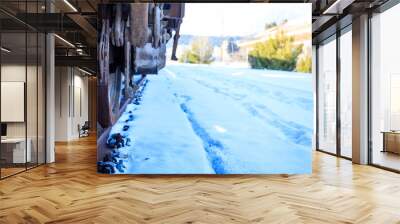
70,191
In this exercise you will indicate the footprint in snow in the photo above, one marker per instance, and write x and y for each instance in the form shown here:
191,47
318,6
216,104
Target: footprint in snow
125,128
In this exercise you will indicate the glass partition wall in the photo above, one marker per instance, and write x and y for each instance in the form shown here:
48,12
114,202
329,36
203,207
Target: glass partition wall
22,88
334,90
334,93
327,96
385,89
345,91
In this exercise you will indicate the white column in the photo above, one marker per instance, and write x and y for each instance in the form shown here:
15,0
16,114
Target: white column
360,90
50,92
50,100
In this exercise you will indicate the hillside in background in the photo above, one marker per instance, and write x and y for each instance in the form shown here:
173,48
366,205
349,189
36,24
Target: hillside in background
215,41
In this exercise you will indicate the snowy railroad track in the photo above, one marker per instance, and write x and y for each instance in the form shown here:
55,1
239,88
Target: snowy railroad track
288,128
213,147
203,120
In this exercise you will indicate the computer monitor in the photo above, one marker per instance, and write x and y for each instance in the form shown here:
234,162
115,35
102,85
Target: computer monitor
3,130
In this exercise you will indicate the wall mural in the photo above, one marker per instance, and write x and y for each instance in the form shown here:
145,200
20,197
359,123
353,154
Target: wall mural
216,88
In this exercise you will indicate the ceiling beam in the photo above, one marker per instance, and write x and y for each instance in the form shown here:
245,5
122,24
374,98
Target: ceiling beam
338,6
89,30
320,23
82,61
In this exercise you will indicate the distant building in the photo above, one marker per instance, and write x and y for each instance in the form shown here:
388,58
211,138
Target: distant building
224,51
228,51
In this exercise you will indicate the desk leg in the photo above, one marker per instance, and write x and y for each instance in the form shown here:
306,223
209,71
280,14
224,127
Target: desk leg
384,143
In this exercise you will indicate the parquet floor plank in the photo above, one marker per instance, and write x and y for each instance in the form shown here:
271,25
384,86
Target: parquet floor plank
70,191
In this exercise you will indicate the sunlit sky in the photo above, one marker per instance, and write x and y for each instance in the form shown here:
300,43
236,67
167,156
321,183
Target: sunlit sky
238,19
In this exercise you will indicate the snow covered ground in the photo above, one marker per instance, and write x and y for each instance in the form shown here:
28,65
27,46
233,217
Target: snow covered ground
224,120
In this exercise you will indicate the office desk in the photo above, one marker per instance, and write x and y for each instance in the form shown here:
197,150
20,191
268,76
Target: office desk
391,141
13,150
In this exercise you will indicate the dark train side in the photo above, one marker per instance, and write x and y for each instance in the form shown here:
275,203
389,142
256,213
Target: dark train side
132,41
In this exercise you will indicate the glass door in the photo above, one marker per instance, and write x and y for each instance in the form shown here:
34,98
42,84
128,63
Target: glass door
327,96
346,93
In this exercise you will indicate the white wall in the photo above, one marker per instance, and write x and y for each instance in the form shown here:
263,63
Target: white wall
16,72
71,94
62,81
80,112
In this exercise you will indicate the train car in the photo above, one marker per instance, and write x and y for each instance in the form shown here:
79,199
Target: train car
132,41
